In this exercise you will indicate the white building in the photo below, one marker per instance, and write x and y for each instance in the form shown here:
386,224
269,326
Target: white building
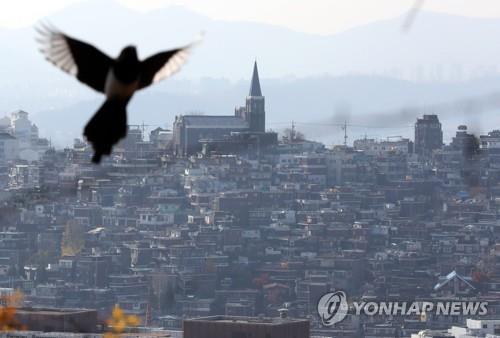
377,148
431,334
24,176
5,124
22,129
8,147
477,328
28,145
490,141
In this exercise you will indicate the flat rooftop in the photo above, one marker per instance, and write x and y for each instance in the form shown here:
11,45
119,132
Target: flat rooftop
247,320
51,311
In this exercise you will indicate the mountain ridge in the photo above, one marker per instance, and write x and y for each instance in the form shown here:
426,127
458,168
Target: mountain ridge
372,68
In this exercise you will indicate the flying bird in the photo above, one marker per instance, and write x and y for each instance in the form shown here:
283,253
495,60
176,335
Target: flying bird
412,15
117,78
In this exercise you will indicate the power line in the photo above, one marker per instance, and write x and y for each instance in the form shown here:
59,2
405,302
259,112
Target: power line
342,125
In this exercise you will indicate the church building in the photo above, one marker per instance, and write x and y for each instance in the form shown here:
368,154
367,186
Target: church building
192,131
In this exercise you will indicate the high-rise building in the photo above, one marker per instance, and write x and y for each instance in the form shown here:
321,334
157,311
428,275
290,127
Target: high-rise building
428,135
467,143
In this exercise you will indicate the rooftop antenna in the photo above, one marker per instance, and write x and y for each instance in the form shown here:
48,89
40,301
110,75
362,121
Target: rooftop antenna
344,128
143,129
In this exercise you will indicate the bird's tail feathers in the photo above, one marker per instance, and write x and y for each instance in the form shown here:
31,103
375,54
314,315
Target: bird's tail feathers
106,128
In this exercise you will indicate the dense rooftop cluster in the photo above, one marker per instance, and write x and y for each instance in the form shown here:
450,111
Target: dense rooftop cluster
249,234
217,219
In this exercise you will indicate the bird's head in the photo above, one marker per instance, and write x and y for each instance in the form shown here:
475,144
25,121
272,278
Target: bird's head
128,54
127,65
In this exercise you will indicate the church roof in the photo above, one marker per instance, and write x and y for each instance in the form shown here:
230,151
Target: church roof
214,121
255,85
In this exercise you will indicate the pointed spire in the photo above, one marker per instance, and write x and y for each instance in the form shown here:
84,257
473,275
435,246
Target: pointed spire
255,85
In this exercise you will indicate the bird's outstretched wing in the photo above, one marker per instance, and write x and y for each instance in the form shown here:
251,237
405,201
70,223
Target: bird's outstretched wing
87,63
162,65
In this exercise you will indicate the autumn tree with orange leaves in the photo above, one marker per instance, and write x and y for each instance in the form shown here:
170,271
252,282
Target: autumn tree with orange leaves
119,322
8,308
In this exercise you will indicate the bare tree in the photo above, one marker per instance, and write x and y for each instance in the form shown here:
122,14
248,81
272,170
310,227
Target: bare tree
293,135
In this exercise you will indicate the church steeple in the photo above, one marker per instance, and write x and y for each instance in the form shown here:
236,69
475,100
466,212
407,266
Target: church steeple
255,85
254,111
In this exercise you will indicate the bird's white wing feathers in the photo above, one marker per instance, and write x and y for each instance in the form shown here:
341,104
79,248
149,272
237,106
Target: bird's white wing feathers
55,47
91,66
162,65
173,65
80,59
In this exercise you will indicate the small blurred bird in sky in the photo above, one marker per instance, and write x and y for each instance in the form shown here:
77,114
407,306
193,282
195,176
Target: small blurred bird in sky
117,78
412,15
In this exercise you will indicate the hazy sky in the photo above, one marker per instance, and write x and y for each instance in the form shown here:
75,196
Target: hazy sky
315,16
